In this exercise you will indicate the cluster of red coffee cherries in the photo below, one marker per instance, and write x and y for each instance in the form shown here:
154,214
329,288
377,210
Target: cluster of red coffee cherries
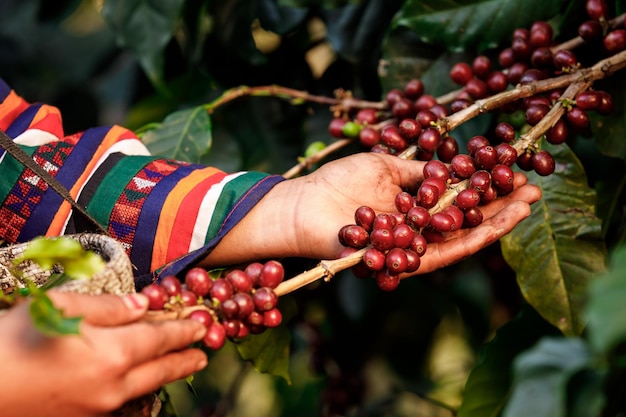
237,303
394,242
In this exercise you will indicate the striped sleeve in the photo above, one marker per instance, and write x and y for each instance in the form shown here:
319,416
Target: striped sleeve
167,214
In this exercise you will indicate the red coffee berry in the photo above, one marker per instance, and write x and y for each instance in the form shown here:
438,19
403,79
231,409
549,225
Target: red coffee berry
476,88
245,303
540,34
410,129
486,157
436,169
558,133
221,290
448,148
198,281
456,214
463,165
425,102
606,105
489,195
382,239
577,118
467,198
615,41
240,280
396,261
272,274
502,176
414,88
442,222
171,285
253,270
480,181
264,299
541,58
506,154
384,221
535,113
393,96
481,66
590,31
506,58
404,201
272,318
473,217
429,139
596,9
201,316
336,127
387,281
427,195
426,118
524,160
497,82
369,137
459,104
505,132
588,100
215,336
403,235
461,73
229,308
367,116
565,60
418,217
349,235
419,245
475,143
374,259
516,71
404,108
391,137
364,217
440,183
231,327
413,261
157,296
188,298
543,163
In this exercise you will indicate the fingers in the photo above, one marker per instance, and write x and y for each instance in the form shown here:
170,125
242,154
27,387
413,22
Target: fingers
405,173
101,310
466,242
152,375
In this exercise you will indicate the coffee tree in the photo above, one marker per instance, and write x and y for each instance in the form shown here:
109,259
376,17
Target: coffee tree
480,90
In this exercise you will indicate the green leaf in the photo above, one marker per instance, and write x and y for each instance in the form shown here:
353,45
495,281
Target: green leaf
48,319
489,382
586,393
606,310
77,262
558,249
184,135
542,375
462,24
145,27
268,351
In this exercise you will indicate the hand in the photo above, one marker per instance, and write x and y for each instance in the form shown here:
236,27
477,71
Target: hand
114,359
301,217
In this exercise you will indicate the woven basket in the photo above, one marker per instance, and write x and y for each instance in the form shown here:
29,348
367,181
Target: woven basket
115,278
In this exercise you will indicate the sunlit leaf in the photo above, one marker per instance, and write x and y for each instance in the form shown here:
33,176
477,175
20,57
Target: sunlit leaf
48,319
542,375
184,135
558,249
458,24
489,383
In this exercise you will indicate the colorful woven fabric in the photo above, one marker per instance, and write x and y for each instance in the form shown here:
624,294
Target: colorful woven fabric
167,214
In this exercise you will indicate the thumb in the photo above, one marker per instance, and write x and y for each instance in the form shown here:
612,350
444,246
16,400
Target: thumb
101,310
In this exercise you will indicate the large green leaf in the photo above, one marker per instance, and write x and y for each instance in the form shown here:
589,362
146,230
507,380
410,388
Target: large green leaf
541,377
459,24
606,310
268,351
489,382
184,135
558,249
48,319
145,27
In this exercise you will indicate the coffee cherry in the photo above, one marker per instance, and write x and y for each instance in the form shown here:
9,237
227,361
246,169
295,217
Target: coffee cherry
272,318
540,34
414,89
215,336
480,181
461,73
475,143
524,160
404,108
521,48
476,88
426,118
459,104
240,280
535,113
442,222
418,217
588,100
506,58
253,270
272,274
541,58
425,102
157,296
410,129
463,165
171,285
229,308
231,327
349,235
369,137
558,133
606,105
456,214
221,290
502,176
413,261
486,157
384,221
615,41
590,31
481,66
374,259
403,235
198,281
367,116
505,132
543,163
364,217
336,127
391,137
565,60
447,149
264,299
506,154
436,169
427,195
387,281
404,201
419,245
188,298
473,217
382,239
497,82
201,316
351,129
396,261
489,195
577,118
467,198
245,303
393,96
596,9
433,236
429,139
516,71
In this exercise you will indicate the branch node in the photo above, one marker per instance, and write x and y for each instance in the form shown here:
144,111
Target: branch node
328,272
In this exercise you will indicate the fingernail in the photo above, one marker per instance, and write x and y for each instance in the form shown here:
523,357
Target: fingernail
201,364
199,334
136,301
